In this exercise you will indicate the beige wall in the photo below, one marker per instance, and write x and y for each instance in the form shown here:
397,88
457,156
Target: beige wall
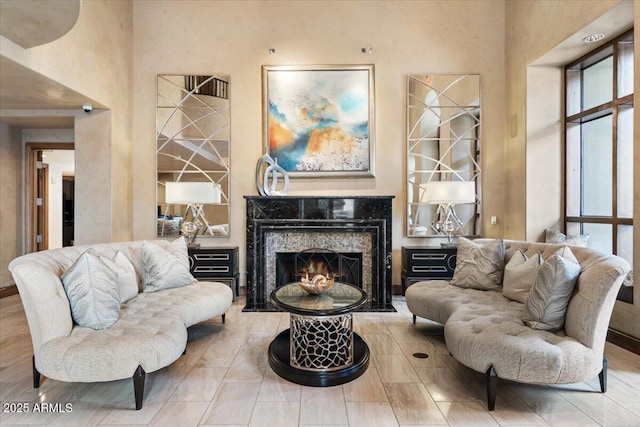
95,59
532,146
10,190
196,37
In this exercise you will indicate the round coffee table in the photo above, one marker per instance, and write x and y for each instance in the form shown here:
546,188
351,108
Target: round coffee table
320,348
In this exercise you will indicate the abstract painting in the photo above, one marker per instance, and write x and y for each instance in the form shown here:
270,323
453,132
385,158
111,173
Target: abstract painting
318,121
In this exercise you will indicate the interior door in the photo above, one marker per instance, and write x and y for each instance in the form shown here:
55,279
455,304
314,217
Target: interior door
39,235
37,189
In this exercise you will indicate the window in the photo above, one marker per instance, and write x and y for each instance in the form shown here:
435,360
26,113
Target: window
599,147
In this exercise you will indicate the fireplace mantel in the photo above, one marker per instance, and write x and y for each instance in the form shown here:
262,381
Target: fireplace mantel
365,218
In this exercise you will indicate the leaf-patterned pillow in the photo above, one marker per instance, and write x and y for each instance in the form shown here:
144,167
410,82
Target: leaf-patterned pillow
165,268
93,292
547,303
479,266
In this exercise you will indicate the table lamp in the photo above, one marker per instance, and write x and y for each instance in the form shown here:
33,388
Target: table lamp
195,195
446,194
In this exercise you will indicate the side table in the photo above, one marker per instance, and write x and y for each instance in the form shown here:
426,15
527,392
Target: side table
426,263
216,264
320,348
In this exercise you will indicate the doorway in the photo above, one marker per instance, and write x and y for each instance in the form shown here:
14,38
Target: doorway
50,195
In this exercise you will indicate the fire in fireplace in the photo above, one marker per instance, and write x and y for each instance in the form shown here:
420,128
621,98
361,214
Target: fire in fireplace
345,267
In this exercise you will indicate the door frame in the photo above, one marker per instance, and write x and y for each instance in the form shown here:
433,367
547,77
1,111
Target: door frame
31,191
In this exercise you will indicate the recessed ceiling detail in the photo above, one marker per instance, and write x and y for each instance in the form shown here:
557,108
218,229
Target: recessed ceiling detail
37,22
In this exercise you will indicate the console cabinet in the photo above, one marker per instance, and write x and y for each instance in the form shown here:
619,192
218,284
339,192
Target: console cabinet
217,265
426,263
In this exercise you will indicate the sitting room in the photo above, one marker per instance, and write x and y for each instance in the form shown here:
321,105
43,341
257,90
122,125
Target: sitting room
319,213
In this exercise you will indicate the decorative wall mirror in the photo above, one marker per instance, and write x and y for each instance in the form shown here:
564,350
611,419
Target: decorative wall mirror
192,156
443,155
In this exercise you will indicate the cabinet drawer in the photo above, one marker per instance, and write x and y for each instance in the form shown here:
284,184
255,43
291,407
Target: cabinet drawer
212,257
428,256
211,269
428,269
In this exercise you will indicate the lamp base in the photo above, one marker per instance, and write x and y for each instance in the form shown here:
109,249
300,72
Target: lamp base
193,245
451,245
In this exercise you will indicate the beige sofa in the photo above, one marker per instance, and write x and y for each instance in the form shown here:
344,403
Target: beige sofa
483,330
150,333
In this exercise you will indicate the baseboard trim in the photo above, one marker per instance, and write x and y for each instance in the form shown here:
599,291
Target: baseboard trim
623,340
8,291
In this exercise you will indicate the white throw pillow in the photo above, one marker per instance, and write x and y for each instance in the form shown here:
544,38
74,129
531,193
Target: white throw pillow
165,268
553,236
126,274
92,289
547,303
520,275
479,266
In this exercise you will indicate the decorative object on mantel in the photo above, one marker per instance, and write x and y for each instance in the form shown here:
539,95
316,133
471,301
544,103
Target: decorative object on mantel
194,195
318,121
268,173
446,194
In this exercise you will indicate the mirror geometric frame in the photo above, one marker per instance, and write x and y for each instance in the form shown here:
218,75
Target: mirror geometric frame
443,144
193,145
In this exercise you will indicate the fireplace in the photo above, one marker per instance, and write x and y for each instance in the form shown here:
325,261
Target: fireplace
282,225
345,267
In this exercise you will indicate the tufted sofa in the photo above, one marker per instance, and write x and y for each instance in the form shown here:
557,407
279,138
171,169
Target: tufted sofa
150,333
483,330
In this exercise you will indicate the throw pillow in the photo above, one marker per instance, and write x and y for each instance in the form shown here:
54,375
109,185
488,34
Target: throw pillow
547,303
92,289
520,275
479,266
165,268
552,236
126,274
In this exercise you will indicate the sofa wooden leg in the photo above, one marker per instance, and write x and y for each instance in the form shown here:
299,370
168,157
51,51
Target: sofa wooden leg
492,384
602,376
223,318
36,374
414,319
138,386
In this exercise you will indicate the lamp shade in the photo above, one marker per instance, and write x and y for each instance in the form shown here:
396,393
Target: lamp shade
454,192
184,193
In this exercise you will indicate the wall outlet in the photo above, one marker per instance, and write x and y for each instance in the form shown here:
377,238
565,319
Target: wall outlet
494,220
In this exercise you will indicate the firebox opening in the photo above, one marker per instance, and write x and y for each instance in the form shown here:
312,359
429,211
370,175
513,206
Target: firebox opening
345,267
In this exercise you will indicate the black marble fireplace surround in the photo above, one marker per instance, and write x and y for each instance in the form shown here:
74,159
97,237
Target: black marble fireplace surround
334,223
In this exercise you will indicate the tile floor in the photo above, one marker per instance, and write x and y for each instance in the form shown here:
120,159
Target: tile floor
224,379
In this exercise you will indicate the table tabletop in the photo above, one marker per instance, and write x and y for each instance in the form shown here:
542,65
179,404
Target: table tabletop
341,298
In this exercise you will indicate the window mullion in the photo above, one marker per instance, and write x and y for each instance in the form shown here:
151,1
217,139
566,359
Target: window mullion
614,145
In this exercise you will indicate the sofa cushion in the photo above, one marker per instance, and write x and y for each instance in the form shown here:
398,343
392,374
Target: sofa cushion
125,273
92,289
520,275
151,332
479,266
165,268
546,305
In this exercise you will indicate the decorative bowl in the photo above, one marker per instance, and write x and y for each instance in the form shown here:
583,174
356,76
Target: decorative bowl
317,285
